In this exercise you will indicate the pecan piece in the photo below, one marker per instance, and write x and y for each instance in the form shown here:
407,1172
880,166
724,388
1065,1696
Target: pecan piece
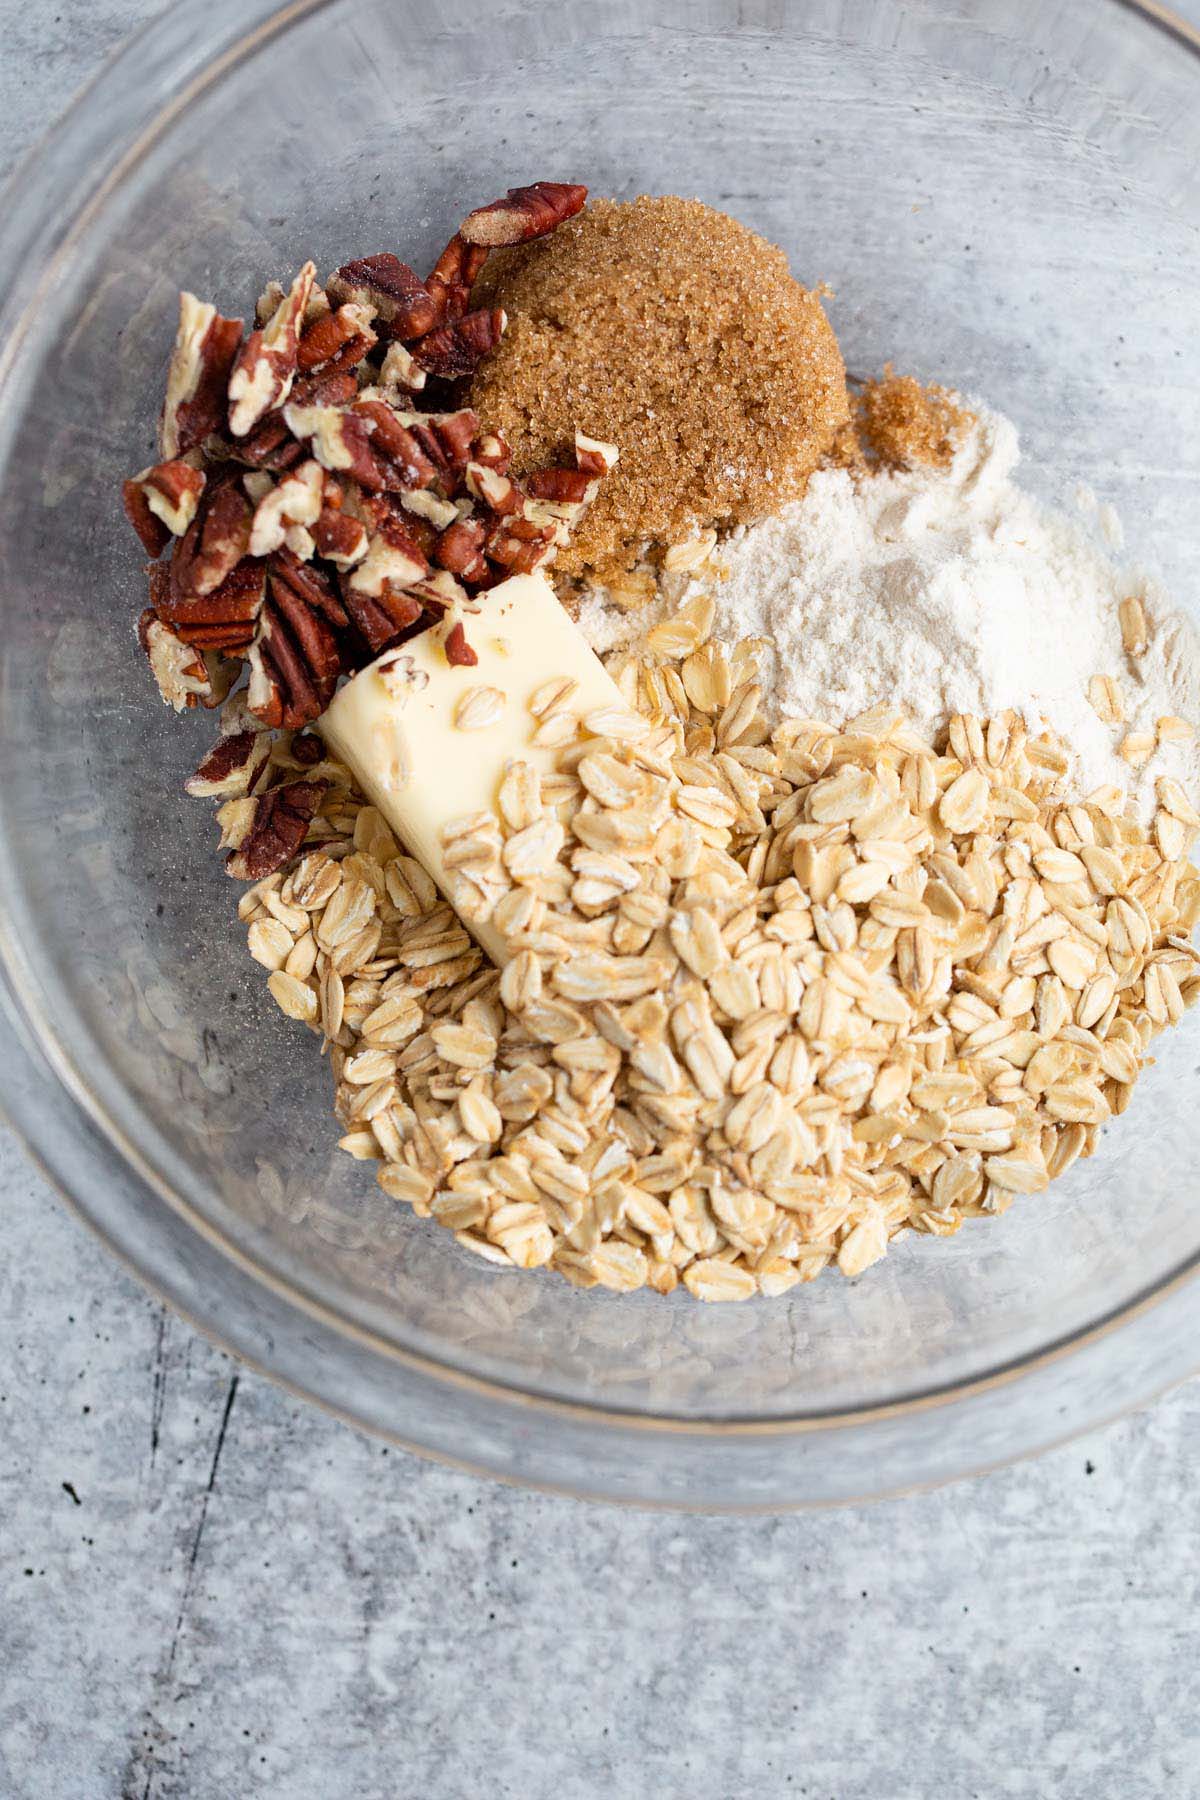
394,558
568,486
306,750
392,441
456,349
223,619
214,543
456,433
523,214
338,340
422,503
340,441
325,387
400,304
454,275
491,450
374,591
400,369
294,662
384,618
309,584
493,489
339,538
595,457
198,375
161,502
269,446
439,591
520,547
431,446
458,652
262,375
151,531
186,676
232,766
273,829
268,303
286,511
460,549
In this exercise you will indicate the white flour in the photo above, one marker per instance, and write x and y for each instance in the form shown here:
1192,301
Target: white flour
947,591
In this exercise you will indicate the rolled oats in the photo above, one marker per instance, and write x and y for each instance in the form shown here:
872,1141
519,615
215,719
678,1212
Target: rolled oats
770,998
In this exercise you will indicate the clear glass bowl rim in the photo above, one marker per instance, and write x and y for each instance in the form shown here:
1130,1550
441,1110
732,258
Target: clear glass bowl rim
137,93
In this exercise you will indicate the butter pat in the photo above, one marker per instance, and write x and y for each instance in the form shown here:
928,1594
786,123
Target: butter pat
429,742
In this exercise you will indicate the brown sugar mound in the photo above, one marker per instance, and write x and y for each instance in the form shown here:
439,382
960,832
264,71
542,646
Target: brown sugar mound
900,422
679,335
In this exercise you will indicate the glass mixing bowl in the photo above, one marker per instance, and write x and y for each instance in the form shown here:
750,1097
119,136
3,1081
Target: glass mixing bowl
1001,196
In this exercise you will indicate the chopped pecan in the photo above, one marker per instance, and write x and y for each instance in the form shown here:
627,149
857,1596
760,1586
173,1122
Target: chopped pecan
456,432
520,547
401,305
269,446
326,387
285,513
222,620
523,214
491,450
150,529
337,340
400,675
424,504
392,441
392,563
161,502
340,441
267,303
383,618
236,715
494,489
396,547
458,652
262,375
186,676
306,750
439,591
567,485
339,538
205,348
595,457
454,275
420,533
400,369
232,766
460,549
294,662
214,542
272,831
456,349
431,446
309,584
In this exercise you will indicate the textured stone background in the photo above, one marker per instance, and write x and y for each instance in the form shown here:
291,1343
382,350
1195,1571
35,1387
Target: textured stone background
207,1591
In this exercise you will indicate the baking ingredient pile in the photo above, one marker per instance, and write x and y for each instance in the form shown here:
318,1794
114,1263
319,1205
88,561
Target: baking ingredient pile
947,590
860,912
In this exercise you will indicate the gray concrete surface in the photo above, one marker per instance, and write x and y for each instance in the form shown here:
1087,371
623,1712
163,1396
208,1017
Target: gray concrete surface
209,1592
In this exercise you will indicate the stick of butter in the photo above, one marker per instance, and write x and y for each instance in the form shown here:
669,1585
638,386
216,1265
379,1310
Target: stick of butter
429,742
